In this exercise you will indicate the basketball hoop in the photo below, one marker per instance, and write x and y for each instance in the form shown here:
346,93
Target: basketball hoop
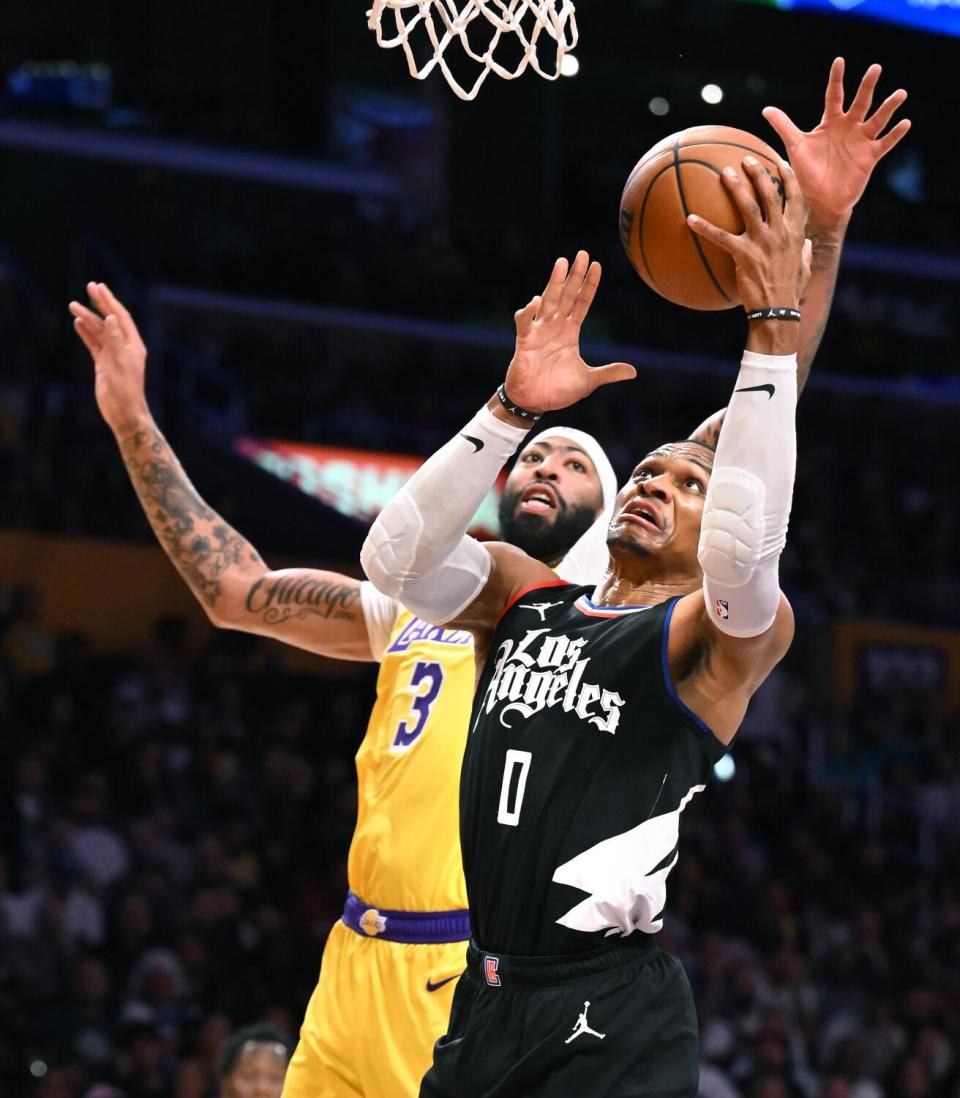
439,23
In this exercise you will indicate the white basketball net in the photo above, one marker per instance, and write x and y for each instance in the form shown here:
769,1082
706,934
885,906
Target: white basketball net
442,22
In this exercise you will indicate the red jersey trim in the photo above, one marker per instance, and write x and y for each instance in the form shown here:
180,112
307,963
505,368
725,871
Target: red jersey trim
526,591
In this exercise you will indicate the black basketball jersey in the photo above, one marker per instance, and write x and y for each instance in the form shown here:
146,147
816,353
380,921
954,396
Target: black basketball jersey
579,762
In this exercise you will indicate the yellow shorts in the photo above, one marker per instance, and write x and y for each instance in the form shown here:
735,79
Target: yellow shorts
372,1020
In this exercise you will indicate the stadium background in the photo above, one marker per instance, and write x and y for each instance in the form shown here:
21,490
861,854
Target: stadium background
320,250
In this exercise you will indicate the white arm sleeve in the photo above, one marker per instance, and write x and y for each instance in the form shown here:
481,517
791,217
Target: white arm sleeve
747,508
417,550
380,615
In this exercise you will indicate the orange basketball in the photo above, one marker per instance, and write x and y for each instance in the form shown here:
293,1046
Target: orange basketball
680,175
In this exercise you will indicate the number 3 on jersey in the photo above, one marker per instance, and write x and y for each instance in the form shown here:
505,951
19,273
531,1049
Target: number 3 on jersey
430,676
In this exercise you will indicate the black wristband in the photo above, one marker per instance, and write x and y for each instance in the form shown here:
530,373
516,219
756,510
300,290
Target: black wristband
778,313
522,413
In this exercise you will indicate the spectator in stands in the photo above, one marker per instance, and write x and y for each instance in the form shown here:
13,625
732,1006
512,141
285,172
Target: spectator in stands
253,1063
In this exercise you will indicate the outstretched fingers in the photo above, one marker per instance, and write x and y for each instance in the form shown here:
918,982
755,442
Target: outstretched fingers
113,330
877,122
607,375
550,298
90,318
110,305
588,291
864,97
87,336
574,283
894,137
524,318
784,126
833,98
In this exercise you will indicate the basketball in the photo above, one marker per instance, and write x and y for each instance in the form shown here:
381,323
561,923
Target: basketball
680,175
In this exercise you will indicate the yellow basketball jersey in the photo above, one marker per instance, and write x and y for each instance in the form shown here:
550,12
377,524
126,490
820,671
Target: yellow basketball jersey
405,852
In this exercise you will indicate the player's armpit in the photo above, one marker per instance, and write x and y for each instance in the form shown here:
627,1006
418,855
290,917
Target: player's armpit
715,674
511,572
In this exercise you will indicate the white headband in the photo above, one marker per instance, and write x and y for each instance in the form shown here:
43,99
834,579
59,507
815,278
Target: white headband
587,560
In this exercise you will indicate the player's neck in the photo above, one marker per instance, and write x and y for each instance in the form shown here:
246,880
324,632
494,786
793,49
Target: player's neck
617,589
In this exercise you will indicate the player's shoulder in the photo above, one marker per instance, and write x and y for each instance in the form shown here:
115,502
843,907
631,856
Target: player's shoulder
516,569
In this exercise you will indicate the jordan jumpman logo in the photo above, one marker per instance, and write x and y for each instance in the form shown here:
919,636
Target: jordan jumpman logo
581,1027
540,607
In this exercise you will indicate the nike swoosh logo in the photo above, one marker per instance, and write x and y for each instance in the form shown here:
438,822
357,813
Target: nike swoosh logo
431,986
477,442
768,389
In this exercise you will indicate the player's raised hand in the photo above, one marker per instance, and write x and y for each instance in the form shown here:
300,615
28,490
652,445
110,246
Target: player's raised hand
118,354
834,160
771,255
547,371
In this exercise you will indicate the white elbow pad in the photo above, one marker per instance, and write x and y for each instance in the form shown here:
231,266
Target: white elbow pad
389,558
390,547
732,531
440,596
417,551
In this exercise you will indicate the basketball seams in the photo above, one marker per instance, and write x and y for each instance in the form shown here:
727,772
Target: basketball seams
662,235
686,210
643,207
692,145
731,145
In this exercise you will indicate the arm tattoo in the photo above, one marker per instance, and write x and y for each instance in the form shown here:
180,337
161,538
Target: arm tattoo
296,594
201,545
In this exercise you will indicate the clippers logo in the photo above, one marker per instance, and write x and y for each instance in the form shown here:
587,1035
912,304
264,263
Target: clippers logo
490,966
543,671
723,609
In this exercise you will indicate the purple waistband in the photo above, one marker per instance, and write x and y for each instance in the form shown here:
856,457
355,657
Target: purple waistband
412,927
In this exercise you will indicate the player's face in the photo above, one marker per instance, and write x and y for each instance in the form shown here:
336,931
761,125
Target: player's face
553,475
552,496
258,1073
659,510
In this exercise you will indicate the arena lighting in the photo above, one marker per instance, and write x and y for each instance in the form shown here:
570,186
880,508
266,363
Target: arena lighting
939,16
659,106
570,65
711,93
357,483
725,769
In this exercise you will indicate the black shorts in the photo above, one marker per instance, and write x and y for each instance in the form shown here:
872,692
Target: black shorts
617,1022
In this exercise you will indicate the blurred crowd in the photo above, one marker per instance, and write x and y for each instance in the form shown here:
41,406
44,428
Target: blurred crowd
172,857
173,845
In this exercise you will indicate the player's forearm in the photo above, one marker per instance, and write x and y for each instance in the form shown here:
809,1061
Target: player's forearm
417,551
747,507
218,564
826,233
